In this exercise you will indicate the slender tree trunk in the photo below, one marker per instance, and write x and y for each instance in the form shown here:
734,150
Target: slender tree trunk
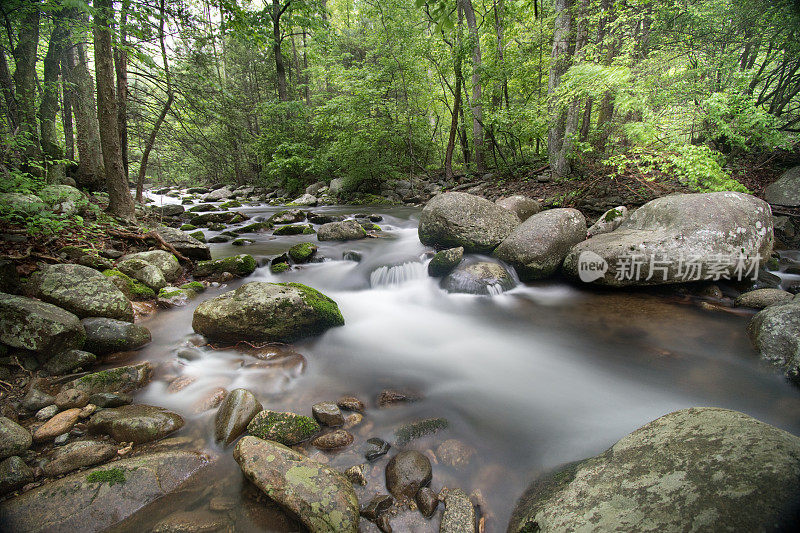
121,67
451,141
66,111
477,108
9,98
120,200
280,70
25,79
605,111
306,81
559,64
48,107
499,12
573,110
587,119
163,115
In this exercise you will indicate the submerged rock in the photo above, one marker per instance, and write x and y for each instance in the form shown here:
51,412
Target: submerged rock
113,380
80,290
286,428
406,473
418,429
480,277
136,423
522,206
376,447
538,246
445,261
106,335
346,230
236,411
692,470
775,332
38,326
459,513
427,501
275,312
459,219
321,497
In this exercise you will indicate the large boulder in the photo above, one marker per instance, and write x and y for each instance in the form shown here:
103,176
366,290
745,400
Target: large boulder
322,498
522,206
775,332
106,335
184,243
272,312
120,379
223,193
38,326
786,189
608,221
23,204
478,277
699,469
80,290
166,262
96,499
64,199
346,230
679,238
538,246
306,199
457,219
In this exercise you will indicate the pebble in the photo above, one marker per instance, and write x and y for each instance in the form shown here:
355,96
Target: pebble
58,425
46,413
356,475
407,472
376,507
459,514
427,501
61,439
375,448
390,397
88,411
328,414
455,453
71,398
352,420
351,403
336,439
110,399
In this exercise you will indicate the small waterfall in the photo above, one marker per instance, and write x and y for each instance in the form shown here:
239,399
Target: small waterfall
494,289
393,276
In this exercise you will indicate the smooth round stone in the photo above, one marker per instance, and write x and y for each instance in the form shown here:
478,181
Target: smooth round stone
71,398
14,439
327,414
58,425
427,501
350,403
336,439
46,413
407,472
236,411
135,423
110,399
375,448
79,454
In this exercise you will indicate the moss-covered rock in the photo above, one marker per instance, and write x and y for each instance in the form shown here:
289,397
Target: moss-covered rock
80,290
287,217
106,335
120,379
199,235
195,286
294,229
131,288
346,230
144,272
286,428
281,312
24,204
239,265
184,243
68,361
418,429
242,242
277,268
188,227
38,326
443,262
136,423
321,497
166,262
175,297
302,252
255,227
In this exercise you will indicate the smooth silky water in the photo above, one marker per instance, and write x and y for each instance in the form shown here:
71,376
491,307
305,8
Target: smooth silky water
532,378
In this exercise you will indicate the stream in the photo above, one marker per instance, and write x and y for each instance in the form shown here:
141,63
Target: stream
541,375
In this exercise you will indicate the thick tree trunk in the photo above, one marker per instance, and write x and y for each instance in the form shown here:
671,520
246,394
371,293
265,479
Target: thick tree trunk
559,64
49,104
121,67
280,70
66,113
574,109
25,79
477,108
120,200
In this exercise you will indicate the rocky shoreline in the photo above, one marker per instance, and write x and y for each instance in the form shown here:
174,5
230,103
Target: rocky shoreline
78,451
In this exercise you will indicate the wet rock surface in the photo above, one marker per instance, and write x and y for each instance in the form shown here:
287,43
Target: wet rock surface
774,333
406,473
106,335
77,455
38,326
234,414
14,439
114,380
135,423
285,428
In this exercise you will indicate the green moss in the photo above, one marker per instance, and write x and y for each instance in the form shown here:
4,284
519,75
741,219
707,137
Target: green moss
277,268
111,476
285,428
369,226
324,306
199,235
166,293
302,252
135,289
252,228
238,217
194,286
104,377
301,229
188,227
612,215
231,203
419,428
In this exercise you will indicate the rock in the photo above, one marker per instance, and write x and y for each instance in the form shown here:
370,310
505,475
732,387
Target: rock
327,414
356,475
775,333
237,410
350,403
38,326
71,398
88,411
786,189
79,454
459,219
377,506
391,397
121,379
14,474
306,199
352,420
64,199
287,217
608,221
322,498
538,246
240,265
480,277
522,206
105,335
698,469
223,193
242,242
96,262
99,498
46,413
14,439
376,447
418,429
197,521
69,360
144,272
333,440
406,473
132,289
714,232
455,453
459,513
294,229
445,261
80,290
761,298
184,243
302,252
58,425
110,399
24,204
286,428
164,261
135,423
336,186
320,218
273,312
427,501
36,399
9,278
230,204
169,210
170,297
347,230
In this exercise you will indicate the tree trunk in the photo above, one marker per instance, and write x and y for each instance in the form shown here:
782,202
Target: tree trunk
280,70
573,110
559,64
9,98
66,112
477,108
163,115
499,12
451,141
25,79
606,110
306,81
120,200
49,104
121,67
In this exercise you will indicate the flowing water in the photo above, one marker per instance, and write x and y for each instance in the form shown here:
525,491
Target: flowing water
531,378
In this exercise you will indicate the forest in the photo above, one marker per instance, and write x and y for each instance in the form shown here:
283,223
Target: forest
291,92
